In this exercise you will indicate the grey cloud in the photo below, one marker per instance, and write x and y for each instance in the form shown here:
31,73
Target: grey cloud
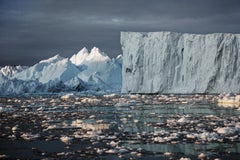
33,30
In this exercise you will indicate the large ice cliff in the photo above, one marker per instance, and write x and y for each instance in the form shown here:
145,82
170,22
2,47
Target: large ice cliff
169,62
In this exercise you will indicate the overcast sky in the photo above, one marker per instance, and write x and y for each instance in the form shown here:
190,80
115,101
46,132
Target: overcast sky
31,30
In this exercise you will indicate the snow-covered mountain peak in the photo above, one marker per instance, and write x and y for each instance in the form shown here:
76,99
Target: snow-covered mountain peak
83,50
53,59
97,55
81,56
96,50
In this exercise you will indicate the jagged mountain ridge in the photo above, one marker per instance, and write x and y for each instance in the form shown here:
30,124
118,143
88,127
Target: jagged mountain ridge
83,71
97,68
10,71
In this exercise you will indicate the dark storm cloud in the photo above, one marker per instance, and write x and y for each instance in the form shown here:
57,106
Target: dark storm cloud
31,30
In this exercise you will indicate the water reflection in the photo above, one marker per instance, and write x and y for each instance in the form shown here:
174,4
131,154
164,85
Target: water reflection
143,118
187,149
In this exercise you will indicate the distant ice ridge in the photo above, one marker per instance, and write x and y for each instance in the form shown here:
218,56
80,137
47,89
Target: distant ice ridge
168,62
55,69
83,71
10,71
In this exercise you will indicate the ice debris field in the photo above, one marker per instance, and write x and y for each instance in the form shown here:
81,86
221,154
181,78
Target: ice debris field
114,126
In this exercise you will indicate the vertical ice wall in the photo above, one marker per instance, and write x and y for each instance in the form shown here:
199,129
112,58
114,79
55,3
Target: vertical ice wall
168,62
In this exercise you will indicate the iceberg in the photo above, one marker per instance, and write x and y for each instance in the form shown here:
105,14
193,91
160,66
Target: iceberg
93,71
56,73
169,62
98,70
10,71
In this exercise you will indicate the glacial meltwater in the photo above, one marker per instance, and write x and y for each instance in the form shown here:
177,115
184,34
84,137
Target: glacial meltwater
118,127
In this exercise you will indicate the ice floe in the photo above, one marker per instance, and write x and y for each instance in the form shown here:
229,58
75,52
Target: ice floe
30,136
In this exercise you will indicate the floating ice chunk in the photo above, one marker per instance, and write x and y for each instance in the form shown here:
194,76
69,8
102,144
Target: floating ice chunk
110,95
201,125
170,121
211,116
40,109
129,116
172,136
133,153
3,156
112,151
139,154
92,117
15,129
91,134
124,120
7,108
237,125
229,100
122,150
65,124
54,100
68,96
207,136
132,102
99,121
66,139
100,151
111,137
113,143
122,104
52,127
168,154
136,120
183,120
184,158
201,156
61,154
225,130
117,150
191,136
91,100
160,132
93,127
134,96
30,136
12,137
77,123
159,139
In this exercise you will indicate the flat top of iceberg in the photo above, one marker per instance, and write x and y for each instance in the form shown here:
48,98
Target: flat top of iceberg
172,32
